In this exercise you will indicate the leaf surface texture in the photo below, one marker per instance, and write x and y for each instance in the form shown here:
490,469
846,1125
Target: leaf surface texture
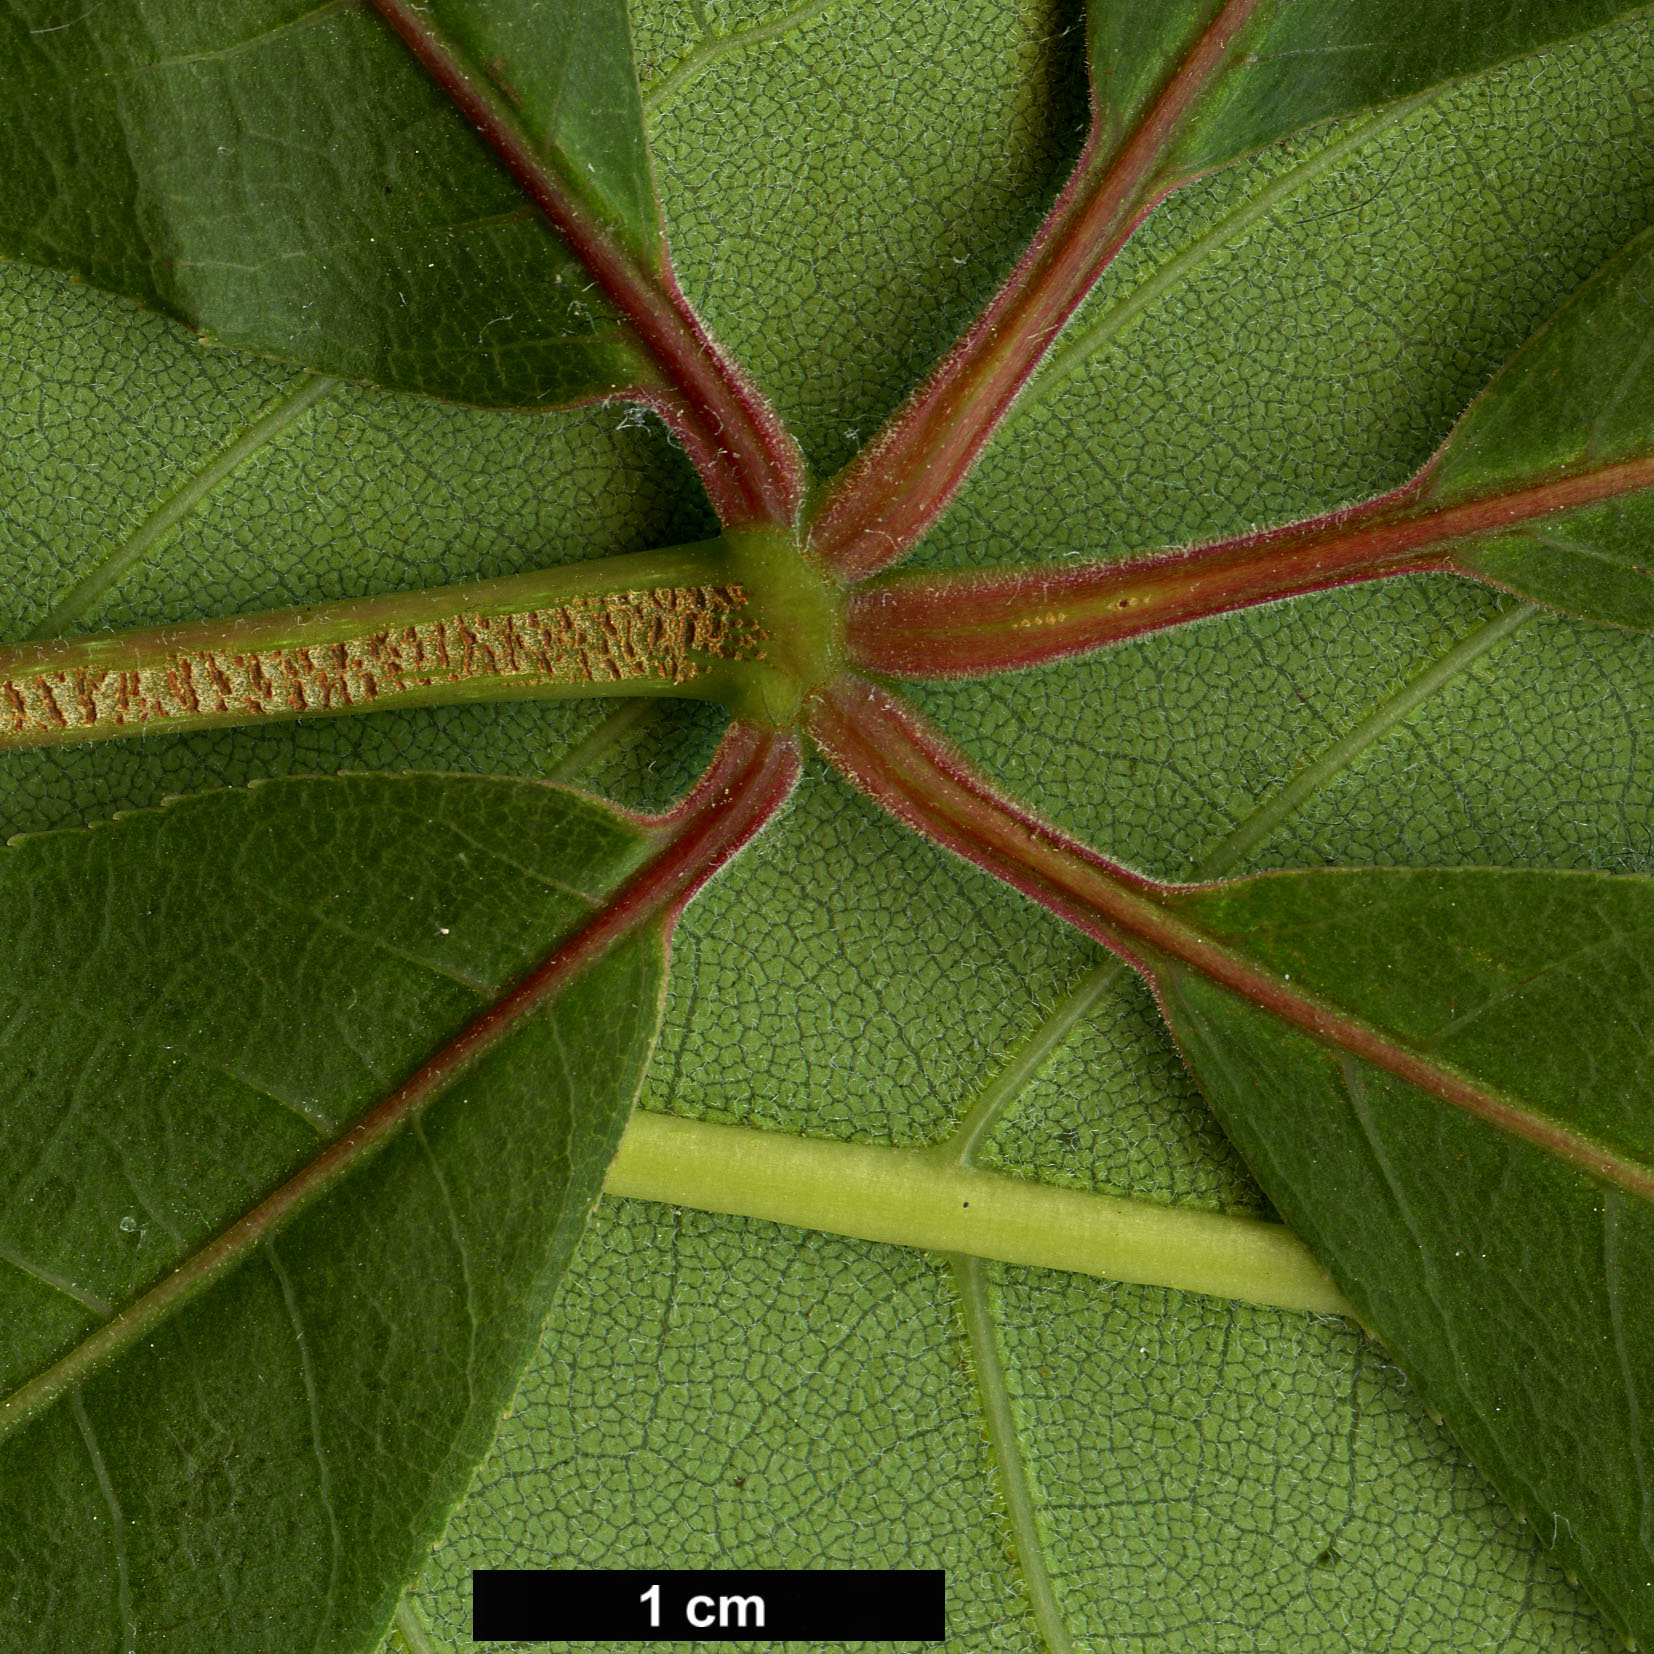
389,205
246,973
842,187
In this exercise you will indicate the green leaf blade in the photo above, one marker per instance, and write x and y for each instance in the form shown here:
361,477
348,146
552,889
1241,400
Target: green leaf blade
1300,63
572,78
1162,1426
1576,400
1502,1277
1595,564
1467,966
358,1359
287,180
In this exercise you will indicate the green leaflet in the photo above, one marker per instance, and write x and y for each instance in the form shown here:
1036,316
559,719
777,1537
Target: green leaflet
282,176
1509,1285
223,986
569,75
1578,399
1293,64
568,71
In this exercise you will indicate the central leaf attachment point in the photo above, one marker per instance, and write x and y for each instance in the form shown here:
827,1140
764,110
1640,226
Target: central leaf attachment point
797,609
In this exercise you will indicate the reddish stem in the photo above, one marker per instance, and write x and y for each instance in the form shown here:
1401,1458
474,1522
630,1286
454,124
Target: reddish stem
747,460
888,750
889,496
892,753
750,777
967,624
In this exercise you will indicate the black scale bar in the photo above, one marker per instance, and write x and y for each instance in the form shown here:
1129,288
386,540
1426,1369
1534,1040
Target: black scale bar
711,1606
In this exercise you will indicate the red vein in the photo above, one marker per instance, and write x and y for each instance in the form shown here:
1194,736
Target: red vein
750,777
888,750
966,624
886,499
745,456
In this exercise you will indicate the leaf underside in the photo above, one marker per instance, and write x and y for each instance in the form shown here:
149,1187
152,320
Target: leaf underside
1507,1282
246,972
365,232
1575,400
1322,358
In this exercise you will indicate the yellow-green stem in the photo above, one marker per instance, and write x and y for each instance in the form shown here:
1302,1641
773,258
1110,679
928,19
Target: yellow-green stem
741,620
910,1197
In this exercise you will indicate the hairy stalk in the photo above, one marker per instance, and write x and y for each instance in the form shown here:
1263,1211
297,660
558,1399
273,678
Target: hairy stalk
878,508
749,779
888,750
976,622
747,460
675,622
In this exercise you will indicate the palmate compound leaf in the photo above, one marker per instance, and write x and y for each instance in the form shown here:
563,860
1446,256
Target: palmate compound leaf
1510,1282
1193,1461
1206,1475
196,1001
283,176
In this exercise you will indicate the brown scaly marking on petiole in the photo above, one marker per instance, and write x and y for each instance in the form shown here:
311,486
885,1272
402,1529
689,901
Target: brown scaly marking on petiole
665,636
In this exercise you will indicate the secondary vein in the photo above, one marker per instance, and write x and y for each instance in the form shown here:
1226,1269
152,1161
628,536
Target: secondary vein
86,1298
602,739
992,1101
117,1521
90,587
1114,321
700,57
999,1420
1236,846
